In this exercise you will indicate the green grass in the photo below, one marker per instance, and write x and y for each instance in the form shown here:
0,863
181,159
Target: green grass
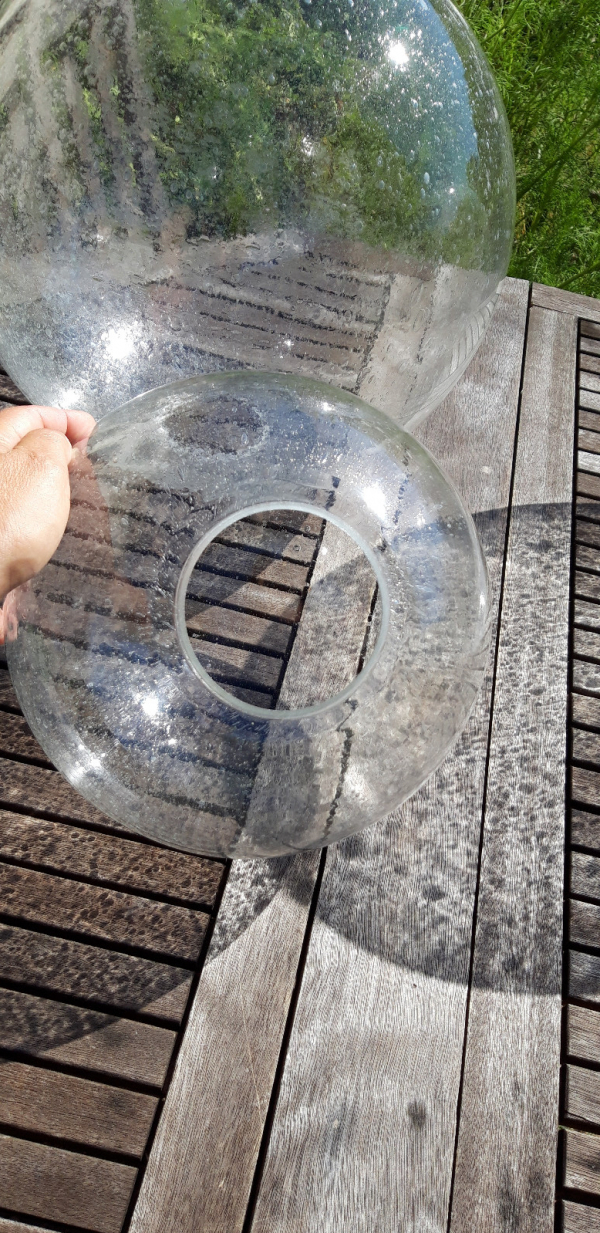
546,57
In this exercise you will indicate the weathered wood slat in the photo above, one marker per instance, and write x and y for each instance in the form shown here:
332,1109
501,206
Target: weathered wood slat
37,790
8,697
582,1097
590,329
585,786
59,1032
586,745
565,302
16,738
110,915
586,614
588,462
590,419
273,540
586,644
61,848
17,1226
513,1043
587,558
589,381
590,345
577,1218
90,1114
584,976
591,402
587,586
585,827
290,520
582,1161
588,440
247,596
251,566
588,485
584,924
104,978
44,791
585,875
222,1083
229,664
53,1184
583,1034
587,533
589,363
366,1114
237,627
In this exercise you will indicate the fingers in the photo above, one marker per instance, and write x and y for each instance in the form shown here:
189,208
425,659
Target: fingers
46,446
34,504
17,422
80,426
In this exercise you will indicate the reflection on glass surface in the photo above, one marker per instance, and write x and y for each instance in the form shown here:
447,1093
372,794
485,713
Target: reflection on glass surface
187,187
266,623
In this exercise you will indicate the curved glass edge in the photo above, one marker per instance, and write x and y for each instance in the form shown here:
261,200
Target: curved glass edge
246,708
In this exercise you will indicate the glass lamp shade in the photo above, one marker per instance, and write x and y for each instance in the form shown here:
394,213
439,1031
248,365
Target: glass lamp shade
289,185
129,704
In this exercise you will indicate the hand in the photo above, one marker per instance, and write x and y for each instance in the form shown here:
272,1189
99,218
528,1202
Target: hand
36,447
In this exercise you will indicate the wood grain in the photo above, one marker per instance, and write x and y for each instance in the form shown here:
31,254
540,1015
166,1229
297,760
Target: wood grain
585,827
364,1130
47,1102
583,1034
584,923
110,915
58,847
99,977
75,1036
239,627
53,1184
17,1226
584,976
8,697
585,785
565,302
220,1091
582,1161
512,1056
586,614
588,485
582,1096
585,875
590,329
580,1219
44,791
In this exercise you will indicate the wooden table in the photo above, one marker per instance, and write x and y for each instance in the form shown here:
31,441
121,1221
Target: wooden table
373,1039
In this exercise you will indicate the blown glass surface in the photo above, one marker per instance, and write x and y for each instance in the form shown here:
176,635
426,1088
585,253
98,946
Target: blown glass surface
137,712
293,185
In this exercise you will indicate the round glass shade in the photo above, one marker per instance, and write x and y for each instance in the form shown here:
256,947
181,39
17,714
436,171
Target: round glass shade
292,185
354,574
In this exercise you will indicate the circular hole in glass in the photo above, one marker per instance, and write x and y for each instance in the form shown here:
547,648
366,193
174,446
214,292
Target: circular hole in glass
281,609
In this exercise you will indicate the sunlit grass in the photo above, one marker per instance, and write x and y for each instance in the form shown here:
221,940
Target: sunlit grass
546,57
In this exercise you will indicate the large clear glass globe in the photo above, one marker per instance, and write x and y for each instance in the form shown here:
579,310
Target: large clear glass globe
305,186
266,623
